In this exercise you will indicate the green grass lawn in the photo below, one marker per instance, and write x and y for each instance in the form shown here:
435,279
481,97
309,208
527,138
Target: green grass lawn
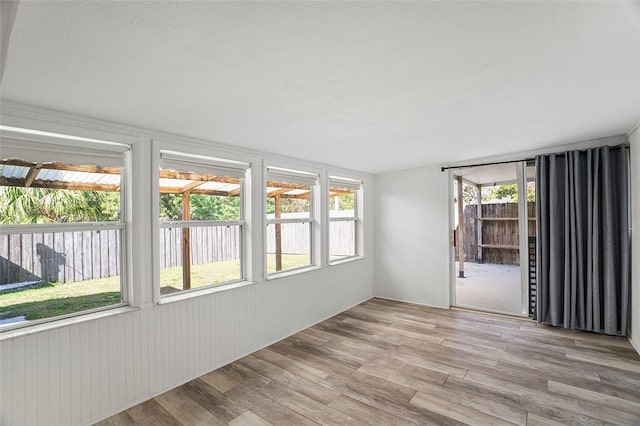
54,299
289,261
201,275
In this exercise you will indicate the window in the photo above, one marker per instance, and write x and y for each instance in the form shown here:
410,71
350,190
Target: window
201,221
289,208
343,218
63,229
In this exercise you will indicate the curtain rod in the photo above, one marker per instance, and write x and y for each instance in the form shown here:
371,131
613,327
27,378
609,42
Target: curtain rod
466,166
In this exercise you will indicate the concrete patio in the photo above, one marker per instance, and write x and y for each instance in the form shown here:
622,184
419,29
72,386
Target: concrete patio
489,287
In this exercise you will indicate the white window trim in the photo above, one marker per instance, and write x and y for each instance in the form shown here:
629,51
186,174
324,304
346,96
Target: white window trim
189,157
291,175
357,186
96,147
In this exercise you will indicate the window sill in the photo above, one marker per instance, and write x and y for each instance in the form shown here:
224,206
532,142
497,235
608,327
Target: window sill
290,272
345,260
198,292
46,325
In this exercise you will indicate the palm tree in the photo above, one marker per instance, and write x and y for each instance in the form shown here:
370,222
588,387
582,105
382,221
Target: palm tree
43,205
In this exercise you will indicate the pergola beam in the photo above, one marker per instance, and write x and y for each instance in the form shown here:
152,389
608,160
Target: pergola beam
190,186
304,196
274,184
80,186
31,175
197,179
171,174
277,192
87,168
176,190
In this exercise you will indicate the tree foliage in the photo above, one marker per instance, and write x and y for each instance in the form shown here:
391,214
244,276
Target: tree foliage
344,202
288,205
42,205
506,193
202,207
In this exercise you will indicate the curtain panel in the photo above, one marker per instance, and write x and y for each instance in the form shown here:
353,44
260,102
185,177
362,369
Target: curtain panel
583,240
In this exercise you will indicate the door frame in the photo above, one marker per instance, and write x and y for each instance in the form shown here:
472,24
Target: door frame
523,243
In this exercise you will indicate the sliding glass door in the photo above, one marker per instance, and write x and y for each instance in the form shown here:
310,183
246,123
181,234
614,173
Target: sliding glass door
492,218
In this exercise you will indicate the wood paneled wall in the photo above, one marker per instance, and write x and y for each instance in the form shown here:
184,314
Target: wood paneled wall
412,236
93,367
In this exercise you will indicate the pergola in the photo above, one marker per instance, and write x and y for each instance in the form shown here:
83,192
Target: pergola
56,175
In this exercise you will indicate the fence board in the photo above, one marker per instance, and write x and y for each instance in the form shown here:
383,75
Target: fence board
15,256
83,255
58,247
4,256
69,271
495,232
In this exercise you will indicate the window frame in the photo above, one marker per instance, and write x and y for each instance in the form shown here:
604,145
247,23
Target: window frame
357,186
292,175
91,150
189,157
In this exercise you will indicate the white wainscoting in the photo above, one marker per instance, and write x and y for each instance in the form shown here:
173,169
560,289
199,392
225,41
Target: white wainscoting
412,236
85,371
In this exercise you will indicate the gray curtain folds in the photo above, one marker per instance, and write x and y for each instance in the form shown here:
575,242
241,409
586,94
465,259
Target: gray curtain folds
583,239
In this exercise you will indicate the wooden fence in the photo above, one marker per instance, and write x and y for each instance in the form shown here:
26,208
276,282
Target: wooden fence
208,244
499,228
85,255
59,256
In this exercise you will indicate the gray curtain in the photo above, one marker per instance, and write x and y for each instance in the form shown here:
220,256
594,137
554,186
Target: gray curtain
583,239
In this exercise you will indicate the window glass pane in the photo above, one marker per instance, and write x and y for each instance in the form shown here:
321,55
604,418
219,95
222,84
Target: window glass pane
44,275
342,239
214,257
294,240
207,196
201,207
213,253
287,200
33,193
49,274
342,202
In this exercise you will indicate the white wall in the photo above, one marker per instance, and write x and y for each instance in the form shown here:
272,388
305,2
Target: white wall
412,236
413,250
634,139
88,369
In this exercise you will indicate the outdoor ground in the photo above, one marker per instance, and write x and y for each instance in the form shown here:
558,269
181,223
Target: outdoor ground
489,287
56,299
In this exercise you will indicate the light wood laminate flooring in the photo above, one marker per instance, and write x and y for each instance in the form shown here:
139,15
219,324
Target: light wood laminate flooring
390,363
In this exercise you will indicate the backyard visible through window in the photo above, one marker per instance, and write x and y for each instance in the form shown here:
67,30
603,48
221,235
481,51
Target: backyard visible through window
289,219
201,222
343,218
61,236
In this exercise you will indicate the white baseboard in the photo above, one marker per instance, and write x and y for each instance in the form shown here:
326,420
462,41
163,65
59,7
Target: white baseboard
410,301
636,347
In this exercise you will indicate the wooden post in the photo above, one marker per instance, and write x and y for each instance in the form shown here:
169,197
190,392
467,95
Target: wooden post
460,229
479,227
278,212
186,242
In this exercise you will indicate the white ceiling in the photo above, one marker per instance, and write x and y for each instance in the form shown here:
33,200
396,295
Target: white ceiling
371,86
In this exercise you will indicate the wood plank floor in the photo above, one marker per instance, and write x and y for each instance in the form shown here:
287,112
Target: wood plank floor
385,362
